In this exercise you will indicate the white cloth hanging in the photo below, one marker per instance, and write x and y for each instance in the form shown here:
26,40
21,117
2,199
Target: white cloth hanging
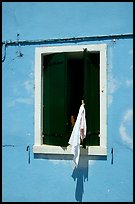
78,133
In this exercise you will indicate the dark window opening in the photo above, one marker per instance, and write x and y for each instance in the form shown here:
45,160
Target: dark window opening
75,87
67,79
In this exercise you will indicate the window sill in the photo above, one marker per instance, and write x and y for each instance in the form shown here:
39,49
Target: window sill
49,149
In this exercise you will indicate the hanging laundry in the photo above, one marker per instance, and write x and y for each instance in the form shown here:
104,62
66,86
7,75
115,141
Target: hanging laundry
78,134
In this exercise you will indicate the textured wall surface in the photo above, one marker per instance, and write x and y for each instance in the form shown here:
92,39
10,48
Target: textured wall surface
25,178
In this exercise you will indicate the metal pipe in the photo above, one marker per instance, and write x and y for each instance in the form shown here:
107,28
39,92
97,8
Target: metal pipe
68,40
4,57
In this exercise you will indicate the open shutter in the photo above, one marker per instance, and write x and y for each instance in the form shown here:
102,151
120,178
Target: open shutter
54,100
92,97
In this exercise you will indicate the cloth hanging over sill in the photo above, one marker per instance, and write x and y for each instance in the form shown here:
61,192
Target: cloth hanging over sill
78,134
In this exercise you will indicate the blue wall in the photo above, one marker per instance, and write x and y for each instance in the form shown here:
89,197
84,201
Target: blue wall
49,179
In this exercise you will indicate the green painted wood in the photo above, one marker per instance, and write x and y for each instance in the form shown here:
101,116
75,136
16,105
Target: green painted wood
54,100
65,84
92,97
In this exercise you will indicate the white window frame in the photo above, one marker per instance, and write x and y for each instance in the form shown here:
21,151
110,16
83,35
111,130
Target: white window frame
38,146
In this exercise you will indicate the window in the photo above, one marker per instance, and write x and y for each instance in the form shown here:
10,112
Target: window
64,75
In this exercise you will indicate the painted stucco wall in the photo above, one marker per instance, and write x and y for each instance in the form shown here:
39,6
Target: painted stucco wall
49,179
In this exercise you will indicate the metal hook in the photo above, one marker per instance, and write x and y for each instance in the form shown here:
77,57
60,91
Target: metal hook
28,148
112,156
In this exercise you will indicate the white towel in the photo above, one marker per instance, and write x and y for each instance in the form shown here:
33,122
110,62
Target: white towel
78,132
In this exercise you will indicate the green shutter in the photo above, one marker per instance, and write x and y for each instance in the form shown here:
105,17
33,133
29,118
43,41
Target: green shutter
92,97
54,100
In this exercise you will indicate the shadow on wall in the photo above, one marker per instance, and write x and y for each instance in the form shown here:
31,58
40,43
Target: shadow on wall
79,174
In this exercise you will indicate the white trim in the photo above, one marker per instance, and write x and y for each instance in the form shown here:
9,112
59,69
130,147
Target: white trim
38,147
37,107
50,149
